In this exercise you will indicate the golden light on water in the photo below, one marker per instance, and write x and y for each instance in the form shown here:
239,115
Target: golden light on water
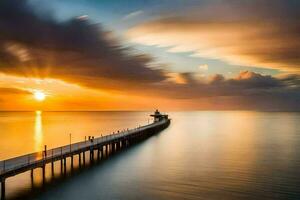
39,95
38,131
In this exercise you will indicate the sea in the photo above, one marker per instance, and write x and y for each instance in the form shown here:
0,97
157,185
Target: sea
209,155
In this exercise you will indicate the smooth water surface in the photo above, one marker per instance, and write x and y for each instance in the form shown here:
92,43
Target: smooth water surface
202,155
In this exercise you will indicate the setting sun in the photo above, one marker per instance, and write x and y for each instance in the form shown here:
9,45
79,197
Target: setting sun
39,96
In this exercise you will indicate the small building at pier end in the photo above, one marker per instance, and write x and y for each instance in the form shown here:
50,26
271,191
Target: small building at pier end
158,116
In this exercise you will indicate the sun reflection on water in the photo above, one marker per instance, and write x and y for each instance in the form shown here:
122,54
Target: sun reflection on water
38,131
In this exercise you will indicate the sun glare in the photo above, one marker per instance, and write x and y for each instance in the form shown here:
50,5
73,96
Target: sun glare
39,96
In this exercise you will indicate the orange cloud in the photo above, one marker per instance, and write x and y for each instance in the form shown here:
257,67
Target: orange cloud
258,43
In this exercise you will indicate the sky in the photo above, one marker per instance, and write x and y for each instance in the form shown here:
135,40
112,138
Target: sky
147,54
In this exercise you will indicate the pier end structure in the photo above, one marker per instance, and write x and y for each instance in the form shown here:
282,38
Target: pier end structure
159,116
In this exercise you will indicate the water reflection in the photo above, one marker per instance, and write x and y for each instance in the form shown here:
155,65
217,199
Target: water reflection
38,131
202,155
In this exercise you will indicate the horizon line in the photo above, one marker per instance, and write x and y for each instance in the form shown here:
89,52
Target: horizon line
151,110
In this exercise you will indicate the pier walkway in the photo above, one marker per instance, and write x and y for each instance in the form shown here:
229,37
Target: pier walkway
104,145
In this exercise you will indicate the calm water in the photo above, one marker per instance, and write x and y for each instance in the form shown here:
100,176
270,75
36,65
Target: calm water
202,155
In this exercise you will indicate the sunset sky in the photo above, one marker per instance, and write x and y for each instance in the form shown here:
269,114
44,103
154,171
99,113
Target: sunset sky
147,54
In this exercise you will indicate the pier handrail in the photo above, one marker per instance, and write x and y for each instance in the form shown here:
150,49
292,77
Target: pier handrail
12,164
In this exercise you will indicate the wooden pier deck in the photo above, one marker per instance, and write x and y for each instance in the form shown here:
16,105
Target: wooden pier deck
101,145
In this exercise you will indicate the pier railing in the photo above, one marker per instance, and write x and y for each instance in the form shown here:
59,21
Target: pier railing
37,157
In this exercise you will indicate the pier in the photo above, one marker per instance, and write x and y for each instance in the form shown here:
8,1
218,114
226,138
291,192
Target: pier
95,148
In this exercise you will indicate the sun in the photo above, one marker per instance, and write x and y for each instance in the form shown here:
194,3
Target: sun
39,96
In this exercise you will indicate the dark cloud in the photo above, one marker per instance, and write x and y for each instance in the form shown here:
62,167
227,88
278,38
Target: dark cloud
248,90
75,50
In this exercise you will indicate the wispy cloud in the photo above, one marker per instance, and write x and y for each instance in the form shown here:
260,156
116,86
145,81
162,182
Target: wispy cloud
233,33
203,67
133,15
10,90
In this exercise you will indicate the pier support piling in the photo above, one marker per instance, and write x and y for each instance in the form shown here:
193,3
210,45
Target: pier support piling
44,173
61,165
65,166
113,147
2,189
79,159
52,168
98,154
83,157
91,155
72,162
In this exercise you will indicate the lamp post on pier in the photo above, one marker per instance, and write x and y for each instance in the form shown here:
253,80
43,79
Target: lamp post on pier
45,151
70,142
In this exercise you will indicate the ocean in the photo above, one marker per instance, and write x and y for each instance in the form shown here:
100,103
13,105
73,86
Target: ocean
201,155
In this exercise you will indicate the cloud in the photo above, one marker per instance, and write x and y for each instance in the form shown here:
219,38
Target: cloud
75,51
79,52
245,84
203,67
248,90
133,15
9,91
256,33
